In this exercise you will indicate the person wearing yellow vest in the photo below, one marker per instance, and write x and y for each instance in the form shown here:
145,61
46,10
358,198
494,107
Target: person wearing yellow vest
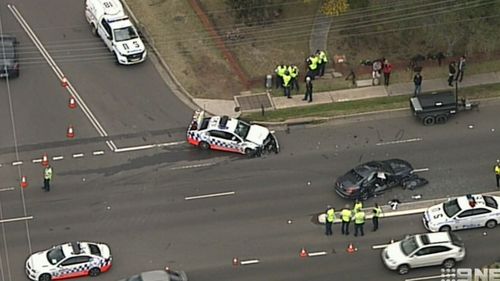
359,221
346,215
280,71
322,61
497,173
312,66
294,73
47,177
377,213
287,82
358,205
330,217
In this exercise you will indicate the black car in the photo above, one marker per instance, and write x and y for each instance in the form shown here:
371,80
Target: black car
9,66
375,177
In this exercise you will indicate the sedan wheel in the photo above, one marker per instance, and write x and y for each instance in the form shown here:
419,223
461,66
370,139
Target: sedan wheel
449,263
445,228
491,224
45,277
204,145
94,272
403,269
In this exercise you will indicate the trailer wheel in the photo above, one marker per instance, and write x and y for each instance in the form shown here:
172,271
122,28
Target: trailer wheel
429,120
441,119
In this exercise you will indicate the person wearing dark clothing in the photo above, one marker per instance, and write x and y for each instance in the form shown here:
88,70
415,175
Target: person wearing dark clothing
377,212
451,73
497,173
417,80
330,218
352,77
461,68
309,90
387,69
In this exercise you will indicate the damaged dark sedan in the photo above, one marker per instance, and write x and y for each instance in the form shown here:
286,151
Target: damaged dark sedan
375,177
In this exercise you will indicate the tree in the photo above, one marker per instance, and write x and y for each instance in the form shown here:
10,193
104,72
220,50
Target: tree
334,7
252,12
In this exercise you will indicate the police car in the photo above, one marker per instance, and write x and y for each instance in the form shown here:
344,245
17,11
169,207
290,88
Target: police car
230,134
69,260
463,212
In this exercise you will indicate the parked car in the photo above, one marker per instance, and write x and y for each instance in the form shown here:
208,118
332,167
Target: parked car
468,211
158,275
9,66
420,250
375,177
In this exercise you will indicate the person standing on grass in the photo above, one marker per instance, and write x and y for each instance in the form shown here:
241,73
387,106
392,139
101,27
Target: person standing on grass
387,72
461,68
451,73
417,80
309,90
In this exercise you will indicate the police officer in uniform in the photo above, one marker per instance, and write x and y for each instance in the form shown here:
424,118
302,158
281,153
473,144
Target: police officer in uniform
47,177
330,217
312,66
287,83
322,61
358,205
497,173
294,73
377,213
359,221
346,215
309,90
280,71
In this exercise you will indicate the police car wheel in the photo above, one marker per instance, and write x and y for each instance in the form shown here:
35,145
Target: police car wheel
491,224
204,145
250,152
445,228
94,30
94,271
449,263
403,269
45,277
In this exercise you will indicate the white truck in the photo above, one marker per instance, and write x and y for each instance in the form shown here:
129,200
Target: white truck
109,21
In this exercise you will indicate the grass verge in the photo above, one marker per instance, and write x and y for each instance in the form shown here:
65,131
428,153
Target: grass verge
361,106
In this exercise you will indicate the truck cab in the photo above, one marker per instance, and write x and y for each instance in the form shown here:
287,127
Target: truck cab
109,22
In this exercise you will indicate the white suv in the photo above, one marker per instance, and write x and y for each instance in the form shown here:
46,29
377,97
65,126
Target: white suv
419,250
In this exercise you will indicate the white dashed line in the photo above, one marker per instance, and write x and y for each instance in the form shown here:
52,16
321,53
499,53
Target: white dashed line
316,254
431,277
399,141
78,155
170,143
193,166
6,189
247,262
420,170
17,219
55,158
132,148
39,160
17,163
210,195
379,246
100,152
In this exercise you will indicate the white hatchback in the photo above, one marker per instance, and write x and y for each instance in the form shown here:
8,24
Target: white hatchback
463,212
420,250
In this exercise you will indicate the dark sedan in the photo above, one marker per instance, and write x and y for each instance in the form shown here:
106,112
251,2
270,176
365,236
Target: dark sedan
9,66
373,178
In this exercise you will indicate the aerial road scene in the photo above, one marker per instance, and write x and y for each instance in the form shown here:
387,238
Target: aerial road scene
273,140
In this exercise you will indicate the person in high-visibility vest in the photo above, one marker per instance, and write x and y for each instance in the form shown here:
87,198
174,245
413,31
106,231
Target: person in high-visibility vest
312,66
47,177
280,71
359,221
497,173
377,213
346,215
287,84
358,205
294,73
322,61
330,217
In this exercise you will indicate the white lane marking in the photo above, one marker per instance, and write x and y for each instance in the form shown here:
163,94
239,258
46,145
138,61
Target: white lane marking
100,152
170,143
55,158
247,262
420,170
78,155
148,146
39,160
6,189
379,246
210,195
193,166
315,254
399,141
60,75
430,277
17,163
16,219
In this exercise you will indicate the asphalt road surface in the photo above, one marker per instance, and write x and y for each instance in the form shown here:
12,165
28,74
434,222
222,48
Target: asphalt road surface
175,205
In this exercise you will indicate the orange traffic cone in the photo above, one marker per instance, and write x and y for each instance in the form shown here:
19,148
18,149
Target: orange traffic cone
72,102
350,249
303,253
71,132
24,182
236,261
64,82
45,160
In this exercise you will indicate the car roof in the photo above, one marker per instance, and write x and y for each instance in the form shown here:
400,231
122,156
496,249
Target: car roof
436,237
465,201
75,248
216,124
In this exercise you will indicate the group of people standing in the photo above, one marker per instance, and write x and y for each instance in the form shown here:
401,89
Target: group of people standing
378,67
287,76
347,215
456,71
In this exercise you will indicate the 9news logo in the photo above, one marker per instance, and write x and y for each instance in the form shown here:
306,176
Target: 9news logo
470,274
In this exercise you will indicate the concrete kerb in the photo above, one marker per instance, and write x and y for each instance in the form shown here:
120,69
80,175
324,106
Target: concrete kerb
404,209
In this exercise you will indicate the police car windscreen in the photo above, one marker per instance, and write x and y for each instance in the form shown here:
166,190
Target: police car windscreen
94,250
451,207
242,129
55,255
490,202
125,33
